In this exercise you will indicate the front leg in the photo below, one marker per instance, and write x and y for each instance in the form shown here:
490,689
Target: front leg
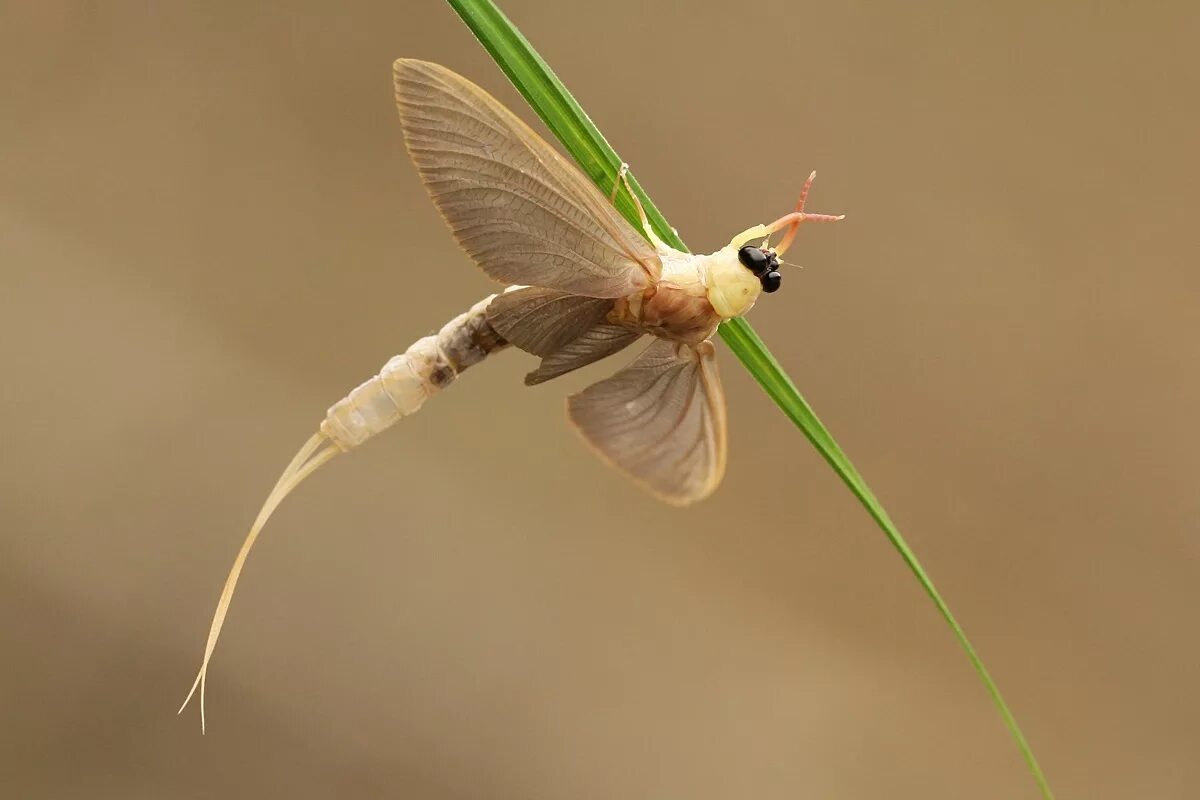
623,178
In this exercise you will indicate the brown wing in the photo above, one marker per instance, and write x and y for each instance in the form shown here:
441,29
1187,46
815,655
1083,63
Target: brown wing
598,342
660,420
540,321
567,330
522,211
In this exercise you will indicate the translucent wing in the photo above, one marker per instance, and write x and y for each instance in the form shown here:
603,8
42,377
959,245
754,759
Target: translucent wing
661,420
599,341
540,321
522,211
567,330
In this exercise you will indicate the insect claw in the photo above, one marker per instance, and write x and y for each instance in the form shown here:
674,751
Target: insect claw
621,173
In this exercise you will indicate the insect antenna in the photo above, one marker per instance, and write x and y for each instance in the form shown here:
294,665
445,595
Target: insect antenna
311,457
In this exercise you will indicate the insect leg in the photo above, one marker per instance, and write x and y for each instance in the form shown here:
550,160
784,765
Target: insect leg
623,176
621,173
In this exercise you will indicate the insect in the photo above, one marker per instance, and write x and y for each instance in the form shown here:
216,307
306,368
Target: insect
584,284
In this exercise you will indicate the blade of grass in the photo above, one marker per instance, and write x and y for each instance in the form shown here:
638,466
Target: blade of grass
538,84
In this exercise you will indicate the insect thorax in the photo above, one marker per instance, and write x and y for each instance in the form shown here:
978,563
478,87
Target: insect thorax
677,308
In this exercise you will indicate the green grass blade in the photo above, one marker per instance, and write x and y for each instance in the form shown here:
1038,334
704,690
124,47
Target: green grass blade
538,84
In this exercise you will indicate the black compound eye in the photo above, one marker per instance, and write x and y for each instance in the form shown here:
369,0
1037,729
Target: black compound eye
771,281
755,260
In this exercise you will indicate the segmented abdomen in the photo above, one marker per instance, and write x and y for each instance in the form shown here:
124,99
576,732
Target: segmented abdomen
412,377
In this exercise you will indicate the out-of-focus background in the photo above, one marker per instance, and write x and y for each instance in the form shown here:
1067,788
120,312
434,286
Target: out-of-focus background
209,231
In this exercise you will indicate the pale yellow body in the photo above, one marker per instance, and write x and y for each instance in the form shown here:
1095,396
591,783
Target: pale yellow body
403,385
525,215
694,295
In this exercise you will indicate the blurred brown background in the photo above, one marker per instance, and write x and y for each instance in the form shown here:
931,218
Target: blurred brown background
209,231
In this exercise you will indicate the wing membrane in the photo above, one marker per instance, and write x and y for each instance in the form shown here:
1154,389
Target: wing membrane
567,330
540,321
594,344
661,420
522,211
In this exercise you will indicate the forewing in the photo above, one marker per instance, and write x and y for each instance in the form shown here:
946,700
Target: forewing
661,420
540,321
522,211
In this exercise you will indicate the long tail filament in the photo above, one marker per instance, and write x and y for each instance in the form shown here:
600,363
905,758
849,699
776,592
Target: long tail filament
311,456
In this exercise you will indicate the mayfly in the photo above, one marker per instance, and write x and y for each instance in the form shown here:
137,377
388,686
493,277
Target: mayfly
582,285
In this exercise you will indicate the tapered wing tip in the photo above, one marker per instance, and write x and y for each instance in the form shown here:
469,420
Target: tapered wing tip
403,65
535,377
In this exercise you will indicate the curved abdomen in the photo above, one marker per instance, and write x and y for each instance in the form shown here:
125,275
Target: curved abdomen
412,377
